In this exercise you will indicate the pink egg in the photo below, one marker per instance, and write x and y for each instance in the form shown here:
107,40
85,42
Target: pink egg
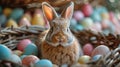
87,49
87,9
24,22
31,59
23,43
78,15
100,50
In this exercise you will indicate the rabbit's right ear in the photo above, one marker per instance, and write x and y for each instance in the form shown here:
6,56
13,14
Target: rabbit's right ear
48,11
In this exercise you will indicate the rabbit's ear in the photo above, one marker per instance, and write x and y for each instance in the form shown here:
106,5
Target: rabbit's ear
68,12
49,11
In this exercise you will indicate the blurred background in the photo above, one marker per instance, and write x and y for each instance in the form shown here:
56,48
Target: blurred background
96,15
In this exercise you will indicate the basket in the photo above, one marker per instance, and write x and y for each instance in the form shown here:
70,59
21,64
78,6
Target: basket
11,36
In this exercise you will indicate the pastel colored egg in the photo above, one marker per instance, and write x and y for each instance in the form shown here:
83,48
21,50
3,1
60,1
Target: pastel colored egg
73,22
96,57
87,22
105,15
2,19
43,63
38,11
17,52
14,59
79,27
11,23
100,50
28,60
31,49
100,9
24,22
7,11
96,16
17,13
22,56
38,20
78,15
5,52
87,49
105,24
23,43
28,16
84,59
87,9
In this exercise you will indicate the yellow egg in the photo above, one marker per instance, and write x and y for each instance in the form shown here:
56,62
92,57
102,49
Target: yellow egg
11,22
7,11
38,20
84,59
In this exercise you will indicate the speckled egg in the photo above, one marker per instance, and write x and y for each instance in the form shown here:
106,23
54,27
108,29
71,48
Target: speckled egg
38,20
17,13
96,57
78,15
11,23
24,22
7,11
87,9
87,49
5,52
31,49
2,19
23,43
87,22
15,59
17,52
84,59
26,61
43,63
100,50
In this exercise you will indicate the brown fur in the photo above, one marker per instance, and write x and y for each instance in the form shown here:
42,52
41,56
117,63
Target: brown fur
61,55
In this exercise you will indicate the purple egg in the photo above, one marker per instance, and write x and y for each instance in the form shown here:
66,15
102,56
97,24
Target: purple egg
78,15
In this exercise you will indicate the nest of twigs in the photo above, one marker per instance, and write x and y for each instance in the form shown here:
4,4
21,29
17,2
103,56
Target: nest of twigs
11,36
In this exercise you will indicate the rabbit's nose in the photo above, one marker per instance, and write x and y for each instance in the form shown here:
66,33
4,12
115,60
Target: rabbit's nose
59,39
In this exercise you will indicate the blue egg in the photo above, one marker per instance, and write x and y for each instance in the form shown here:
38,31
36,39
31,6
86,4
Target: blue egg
73,22
5,52
101,9
79,27
43,63
17,13
31,49
2,19
96,57
96,16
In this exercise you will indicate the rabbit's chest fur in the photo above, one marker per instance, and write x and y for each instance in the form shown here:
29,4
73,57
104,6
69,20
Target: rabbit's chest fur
61,55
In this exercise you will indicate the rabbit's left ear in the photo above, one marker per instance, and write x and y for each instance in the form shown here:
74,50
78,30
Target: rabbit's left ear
68,12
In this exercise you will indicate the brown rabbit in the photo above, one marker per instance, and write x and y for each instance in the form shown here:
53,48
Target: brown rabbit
60,45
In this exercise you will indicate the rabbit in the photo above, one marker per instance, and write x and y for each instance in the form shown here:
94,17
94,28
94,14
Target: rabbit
59,45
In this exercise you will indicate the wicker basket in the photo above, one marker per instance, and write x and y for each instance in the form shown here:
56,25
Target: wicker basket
11,36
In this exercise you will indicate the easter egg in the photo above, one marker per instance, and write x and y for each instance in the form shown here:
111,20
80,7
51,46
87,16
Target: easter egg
38,20
17,13
24,22
11,23
87,49
5,52
28,16
2,19
78,15
96,16
31,49
7,11
100,9
43,63
31,59
87,9
22,56
23,43
96,57
73,22
105,15
79,27
15,59
87,22
84,59
100,50
17,52
38,11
